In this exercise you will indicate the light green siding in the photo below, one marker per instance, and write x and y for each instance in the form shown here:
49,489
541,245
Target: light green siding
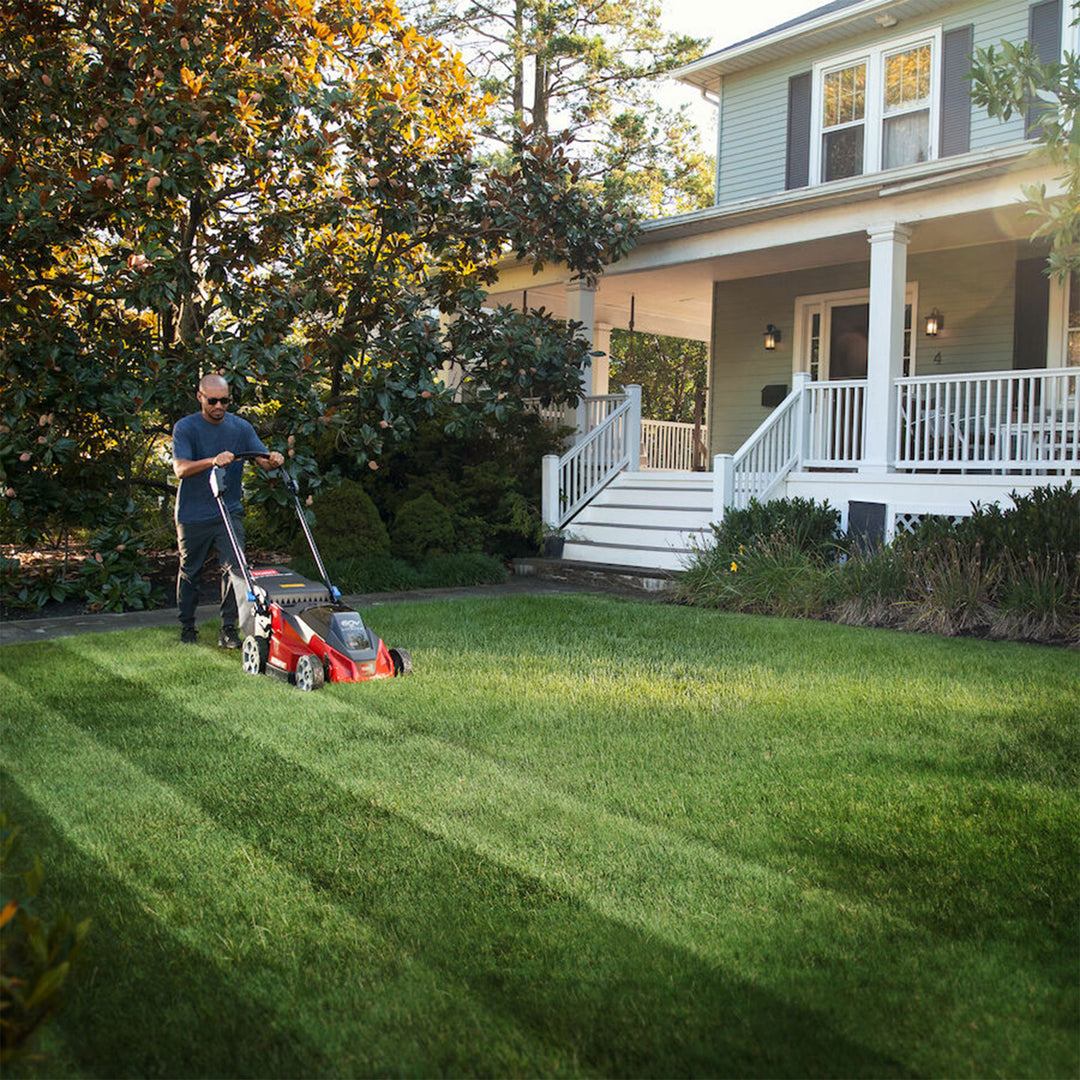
753,122
973,287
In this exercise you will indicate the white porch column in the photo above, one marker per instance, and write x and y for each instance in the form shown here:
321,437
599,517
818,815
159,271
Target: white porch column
581,307
885,342
601,365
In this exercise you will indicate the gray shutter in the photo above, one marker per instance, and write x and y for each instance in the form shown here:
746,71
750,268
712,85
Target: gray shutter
1031,313
798,131
956,49
1044,32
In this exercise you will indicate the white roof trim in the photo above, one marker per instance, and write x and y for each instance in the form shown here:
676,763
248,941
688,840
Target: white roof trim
791,37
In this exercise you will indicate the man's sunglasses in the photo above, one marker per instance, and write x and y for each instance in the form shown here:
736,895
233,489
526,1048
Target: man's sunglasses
215,400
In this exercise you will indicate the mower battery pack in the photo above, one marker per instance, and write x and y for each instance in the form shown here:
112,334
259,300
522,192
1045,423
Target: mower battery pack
289,589
283,587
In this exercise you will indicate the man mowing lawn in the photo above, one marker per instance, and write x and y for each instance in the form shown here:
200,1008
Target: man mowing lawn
202,440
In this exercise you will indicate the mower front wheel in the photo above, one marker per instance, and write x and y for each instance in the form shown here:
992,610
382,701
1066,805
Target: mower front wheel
254,654
309,673
402,661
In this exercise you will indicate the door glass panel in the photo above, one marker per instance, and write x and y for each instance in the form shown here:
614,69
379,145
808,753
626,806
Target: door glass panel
849,329
815,347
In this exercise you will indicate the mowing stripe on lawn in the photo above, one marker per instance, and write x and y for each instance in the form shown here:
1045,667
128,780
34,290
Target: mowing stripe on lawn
606,858
275,941
772,928
467,916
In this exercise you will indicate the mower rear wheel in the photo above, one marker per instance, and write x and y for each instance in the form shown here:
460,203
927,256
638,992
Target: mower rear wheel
402,661
309,673
254,654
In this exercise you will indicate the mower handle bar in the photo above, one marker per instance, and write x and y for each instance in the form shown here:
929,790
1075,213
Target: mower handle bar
290,486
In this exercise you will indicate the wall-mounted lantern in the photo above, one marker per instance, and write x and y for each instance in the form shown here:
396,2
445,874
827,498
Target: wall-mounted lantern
935,322
772,337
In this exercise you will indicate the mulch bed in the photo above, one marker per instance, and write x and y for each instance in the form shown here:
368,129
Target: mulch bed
161,573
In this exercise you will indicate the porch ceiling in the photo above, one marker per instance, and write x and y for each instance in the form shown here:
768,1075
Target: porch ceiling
676,299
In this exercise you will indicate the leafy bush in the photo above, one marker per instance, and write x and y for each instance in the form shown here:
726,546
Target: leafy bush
952,589
347,523
469,568
871,588
111,579
35,955
488,478
423,526
774,576
1044,522
811,527
1038,599
385,574
998,573
26,590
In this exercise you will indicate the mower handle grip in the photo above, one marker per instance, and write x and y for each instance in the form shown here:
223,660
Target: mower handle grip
250,455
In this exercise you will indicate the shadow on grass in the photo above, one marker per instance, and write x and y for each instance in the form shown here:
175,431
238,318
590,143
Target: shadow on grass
140,1002
595,995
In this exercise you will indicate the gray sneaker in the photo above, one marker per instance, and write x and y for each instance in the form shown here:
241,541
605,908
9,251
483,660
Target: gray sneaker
229,639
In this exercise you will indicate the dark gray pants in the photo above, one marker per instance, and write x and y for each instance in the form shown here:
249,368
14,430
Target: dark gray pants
195,542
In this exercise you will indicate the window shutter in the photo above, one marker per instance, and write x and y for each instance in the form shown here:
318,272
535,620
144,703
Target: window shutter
1044,32
798,131
956,49
1031,313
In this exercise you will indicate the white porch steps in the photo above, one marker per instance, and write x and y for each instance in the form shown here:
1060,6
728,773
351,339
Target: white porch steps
643,519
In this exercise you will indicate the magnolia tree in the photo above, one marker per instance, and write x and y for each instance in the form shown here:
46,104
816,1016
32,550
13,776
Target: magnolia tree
1009,78
280,190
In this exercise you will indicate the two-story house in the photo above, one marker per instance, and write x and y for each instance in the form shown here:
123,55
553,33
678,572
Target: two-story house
882,333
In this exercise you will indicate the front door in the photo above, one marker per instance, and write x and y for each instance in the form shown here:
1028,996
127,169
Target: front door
832,331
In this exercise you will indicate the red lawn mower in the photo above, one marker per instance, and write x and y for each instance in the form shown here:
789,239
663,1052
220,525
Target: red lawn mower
295,629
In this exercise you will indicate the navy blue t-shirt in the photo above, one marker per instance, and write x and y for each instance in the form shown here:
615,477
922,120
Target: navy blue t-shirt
195,438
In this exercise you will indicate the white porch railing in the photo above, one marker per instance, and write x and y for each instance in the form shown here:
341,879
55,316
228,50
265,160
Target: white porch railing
834,424
1009,421
598,407
759,466
571,481
669,444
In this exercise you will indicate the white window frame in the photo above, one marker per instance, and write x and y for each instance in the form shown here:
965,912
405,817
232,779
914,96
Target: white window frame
874,118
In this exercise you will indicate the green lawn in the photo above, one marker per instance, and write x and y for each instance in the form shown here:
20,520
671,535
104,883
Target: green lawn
588,837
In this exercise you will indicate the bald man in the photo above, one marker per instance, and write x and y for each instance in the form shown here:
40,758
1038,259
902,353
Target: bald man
212,436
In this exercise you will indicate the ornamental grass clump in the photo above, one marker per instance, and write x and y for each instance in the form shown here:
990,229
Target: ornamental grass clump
1009,573
774,558
1038,599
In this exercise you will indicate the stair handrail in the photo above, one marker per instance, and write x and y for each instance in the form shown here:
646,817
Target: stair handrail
570,482
762,463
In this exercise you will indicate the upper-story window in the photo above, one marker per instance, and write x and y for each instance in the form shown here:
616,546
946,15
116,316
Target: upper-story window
875,110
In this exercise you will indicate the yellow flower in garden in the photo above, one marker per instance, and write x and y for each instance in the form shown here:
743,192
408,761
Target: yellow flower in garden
734,567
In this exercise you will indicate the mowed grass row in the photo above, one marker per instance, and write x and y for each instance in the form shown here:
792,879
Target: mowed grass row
588,837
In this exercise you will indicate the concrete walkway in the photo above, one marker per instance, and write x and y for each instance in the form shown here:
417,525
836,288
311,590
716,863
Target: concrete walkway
20,631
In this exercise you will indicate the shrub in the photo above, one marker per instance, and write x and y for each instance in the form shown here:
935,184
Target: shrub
1038,599
488,478
35,955
872,587
423,526
1044,522
385,574
774,576
452,571
952,589
347,523
810,527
